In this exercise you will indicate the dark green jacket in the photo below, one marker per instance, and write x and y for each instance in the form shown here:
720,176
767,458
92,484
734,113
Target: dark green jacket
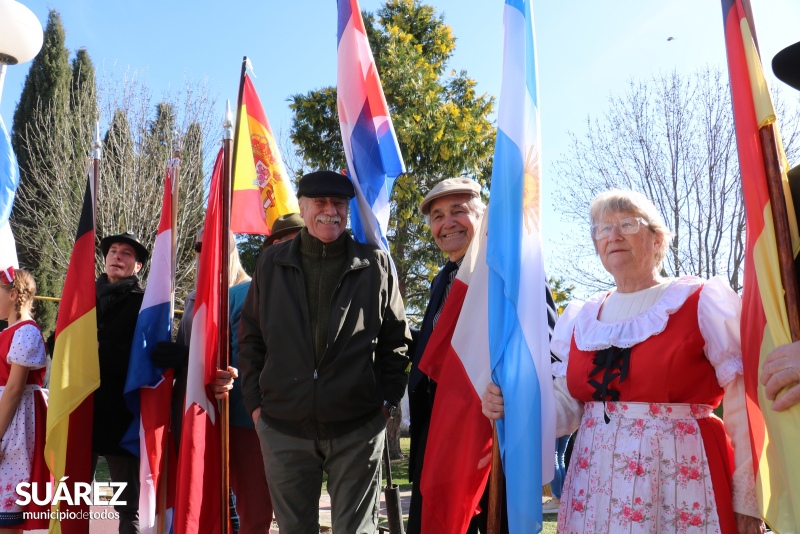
365,360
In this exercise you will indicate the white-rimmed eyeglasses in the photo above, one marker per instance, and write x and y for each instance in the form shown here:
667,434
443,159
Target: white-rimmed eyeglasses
628,225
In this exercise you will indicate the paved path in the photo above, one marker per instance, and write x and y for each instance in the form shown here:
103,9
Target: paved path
109,526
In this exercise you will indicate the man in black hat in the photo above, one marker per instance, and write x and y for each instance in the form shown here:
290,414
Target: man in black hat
119,298
322,349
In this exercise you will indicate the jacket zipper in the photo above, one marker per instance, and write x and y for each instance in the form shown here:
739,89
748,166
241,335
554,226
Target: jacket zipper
327,343
316,366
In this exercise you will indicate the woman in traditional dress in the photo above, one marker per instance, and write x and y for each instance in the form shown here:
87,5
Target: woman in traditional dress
22,402
643,367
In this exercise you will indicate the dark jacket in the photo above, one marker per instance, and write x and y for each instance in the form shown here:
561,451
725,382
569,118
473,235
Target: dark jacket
365,359
118,307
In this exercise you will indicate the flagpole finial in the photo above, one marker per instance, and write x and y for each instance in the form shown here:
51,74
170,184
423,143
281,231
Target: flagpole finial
177,144
227,123
97,144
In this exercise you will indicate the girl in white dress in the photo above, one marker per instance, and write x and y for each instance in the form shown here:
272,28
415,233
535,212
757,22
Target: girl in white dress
22,400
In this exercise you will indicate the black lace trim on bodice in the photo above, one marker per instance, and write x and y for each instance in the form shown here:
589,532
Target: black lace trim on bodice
613,362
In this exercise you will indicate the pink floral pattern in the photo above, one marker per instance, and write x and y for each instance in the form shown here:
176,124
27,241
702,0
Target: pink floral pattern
692,517
644,472
26,348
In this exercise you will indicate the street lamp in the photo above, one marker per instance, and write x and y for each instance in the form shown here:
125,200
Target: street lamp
20,36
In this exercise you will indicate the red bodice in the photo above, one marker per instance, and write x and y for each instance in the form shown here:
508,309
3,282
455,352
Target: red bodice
669,367
35,376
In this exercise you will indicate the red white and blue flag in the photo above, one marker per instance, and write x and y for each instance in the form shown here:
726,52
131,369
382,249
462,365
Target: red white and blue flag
148,389
198,501
373,155
9,180
518,313
457,358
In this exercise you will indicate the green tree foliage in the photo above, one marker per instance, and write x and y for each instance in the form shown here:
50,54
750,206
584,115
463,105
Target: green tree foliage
44,105
46,86
442,125
83,110
562,293
250,248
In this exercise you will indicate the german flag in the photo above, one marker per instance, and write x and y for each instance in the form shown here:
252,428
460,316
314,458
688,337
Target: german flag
262,191
75,373
765,324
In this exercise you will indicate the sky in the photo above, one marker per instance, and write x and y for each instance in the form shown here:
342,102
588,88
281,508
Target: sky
587,51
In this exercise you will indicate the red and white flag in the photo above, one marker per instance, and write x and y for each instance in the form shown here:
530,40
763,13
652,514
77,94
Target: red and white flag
457,358
198,501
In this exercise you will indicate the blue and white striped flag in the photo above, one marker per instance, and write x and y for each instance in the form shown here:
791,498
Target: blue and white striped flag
373,155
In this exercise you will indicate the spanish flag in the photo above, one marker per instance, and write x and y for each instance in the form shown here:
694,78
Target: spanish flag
261,188
75,374
774,435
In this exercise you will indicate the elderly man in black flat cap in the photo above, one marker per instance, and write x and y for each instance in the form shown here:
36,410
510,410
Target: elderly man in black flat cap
322,349
119,298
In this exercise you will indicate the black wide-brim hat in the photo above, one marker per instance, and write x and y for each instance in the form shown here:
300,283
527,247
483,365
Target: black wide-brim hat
129,238
283,226
786,65
325,184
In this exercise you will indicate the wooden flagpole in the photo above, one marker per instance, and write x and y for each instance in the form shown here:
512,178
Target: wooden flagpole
224,327
780,216
777,197
497,481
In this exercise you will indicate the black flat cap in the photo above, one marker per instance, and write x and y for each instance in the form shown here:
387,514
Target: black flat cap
786,65
129,238
325,184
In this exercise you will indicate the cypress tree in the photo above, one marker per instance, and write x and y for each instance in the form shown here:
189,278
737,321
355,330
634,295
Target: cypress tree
43,106
83,110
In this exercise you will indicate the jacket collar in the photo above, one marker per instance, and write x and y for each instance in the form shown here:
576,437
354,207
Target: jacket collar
290,254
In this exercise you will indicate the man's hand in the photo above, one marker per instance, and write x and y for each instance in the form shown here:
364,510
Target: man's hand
492,405
749,525
782,370
223,382
256,416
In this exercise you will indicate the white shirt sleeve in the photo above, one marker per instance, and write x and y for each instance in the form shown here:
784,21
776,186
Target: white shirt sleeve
568,410
562,337
719,317
27,348
735,417
719,313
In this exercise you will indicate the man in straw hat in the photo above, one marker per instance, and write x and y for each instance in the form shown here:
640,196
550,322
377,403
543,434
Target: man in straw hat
454,209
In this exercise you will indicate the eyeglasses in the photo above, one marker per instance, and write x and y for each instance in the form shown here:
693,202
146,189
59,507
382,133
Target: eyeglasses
198,246
627,226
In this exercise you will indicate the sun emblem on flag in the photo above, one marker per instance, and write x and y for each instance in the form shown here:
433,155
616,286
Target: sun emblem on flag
532,189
